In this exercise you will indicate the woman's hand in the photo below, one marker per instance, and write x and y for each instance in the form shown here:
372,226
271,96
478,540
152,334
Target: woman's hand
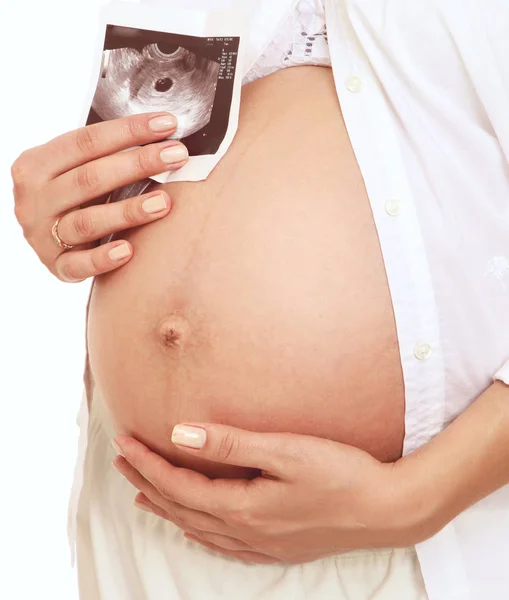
53,180
315,497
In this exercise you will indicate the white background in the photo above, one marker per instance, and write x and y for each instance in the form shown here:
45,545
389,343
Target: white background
46,50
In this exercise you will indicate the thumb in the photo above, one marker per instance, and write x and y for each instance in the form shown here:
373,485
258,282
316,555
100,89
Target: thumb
230,445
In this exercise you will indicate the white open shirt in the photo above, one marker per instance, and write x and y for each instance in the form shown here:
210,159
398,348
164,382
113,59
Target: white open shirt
424,90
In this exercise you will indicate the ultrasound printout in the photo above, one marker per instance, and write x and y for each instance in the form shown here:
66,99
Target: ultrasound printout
194,77
191,77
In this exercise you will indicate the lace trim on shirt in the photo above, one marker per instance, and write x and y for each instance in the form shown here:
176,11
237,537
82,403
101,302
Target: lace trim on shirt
301,41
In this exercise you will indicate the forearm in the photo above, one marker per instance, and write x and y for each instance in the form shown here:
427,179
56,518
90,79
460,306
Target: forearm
465,463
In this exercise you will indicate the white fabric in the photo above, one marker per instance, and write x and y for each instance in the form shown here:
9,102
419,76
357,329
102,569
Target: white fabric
301,39
503,374
126,554
424,89
430,128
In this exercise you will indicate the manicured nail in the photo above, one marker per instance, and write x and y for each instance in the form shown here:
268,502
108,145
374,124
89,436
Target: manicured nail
142,506
154,204
163,123
117,448
119,252
174,154
192,437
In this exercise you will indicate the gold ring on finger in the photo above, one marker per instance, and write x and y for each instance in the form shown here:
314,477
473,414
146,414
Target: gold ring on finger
57,238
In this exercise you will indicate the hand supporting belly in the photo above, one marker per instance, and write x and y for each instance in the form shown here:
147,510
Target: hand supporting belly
262,300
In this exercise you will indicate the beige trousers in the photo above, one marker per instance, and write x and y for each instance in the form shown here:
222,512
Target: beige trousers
124,553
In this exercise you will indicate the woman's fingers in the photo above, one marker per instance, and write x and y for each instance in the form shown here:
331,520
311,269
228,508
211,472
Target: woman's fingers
182,516
95,222
249,557
91,142
191,521
214,541
80,227
79,169
222,541
76,265
103,175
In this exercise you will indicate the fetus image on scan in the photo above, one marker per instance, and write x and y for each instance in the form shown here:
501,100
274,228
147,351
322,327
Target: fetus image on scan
150,72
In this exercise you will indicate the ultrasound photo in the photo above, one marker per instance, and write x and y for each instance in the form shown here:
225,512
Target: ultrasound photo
150,71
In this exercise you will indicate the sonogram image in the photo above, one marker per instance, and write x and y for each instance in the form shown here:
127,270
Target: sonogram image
191,77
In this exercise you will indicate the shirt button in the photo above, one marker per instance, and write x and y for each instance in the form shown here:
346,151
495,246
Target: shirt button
422,351
394,207
354,84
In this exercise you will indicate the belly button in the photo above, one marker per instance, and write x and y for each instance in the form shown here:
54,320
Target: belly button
173,331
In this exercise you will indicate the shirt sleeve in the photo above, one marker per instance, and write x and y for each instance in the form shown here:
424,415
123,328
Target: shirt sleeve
503,373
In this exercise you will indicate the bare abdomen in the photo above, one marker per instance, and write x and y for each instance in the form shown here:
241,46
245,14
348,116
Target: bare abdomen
261,301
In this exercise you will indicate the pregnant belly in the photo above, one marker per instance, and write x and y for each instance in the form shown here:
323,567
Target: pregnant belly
261,301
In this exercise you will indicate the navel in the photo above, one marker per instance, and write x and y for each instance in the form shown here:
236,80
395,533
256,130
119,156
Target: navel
173,331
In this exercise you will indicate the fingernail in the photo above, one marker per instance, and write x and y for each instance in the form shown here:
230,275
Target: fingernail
142,506
117,448
163,123
119,252
174,154
192,437
154,204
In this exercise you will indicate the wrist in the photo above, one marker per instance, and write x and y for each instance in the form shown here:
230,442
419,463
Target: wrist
463,464
419,505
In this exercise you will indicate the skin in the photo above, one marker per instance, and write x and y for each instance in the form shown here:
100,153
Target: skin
68,175
363,503
263,302
245,518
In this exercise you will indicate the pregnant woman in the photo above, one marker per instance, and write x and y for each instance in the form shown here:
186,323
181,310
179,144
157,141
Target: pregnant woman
327,312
